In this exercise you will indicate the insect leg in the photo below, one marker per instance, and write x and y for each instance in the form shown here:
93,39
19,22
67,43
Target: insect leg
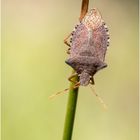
76,85
65,90
65,40
92,81
71,77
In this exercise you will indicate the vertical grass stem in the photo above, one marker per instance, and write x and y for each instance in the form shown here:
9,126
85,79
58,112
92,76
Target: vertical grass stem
73,93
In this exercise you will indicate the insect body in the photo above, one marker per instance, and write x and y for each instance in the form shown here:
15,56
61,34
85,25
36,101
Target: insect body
88,45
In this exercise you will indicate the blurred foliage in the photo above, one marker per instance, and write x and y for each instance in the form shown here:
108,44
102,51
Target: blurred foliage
33,68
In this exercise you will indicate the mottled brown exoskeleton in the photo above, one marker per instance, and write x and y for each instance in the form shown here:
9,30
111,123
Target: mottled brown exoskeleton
87,47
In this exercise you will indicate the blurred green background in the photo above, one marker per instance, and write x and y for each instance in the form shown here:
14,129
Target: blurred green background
33,68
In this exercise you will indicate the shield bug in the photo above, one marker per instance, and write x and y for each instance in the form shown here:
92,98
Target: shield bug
87,47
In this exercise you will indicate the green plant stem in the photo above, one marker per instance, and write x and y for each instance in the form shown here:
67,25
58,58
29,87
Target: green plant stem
73,93
70,114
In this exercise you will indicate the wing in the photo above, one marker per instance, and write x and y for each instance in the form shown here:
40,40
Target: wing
93,20
79,39
101,41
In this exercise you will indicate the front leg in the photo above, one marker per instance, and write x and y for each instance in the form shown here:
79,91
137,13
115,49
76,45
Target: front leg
77,83
71,77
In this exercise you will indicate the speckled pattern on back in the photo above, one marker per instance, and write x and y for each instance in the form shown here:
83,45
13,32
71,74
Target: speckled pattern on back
78,39
100,38
89,42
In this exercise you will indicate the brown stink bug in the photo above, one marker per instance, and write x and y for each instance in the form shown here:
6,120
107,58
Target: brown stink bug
87,47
